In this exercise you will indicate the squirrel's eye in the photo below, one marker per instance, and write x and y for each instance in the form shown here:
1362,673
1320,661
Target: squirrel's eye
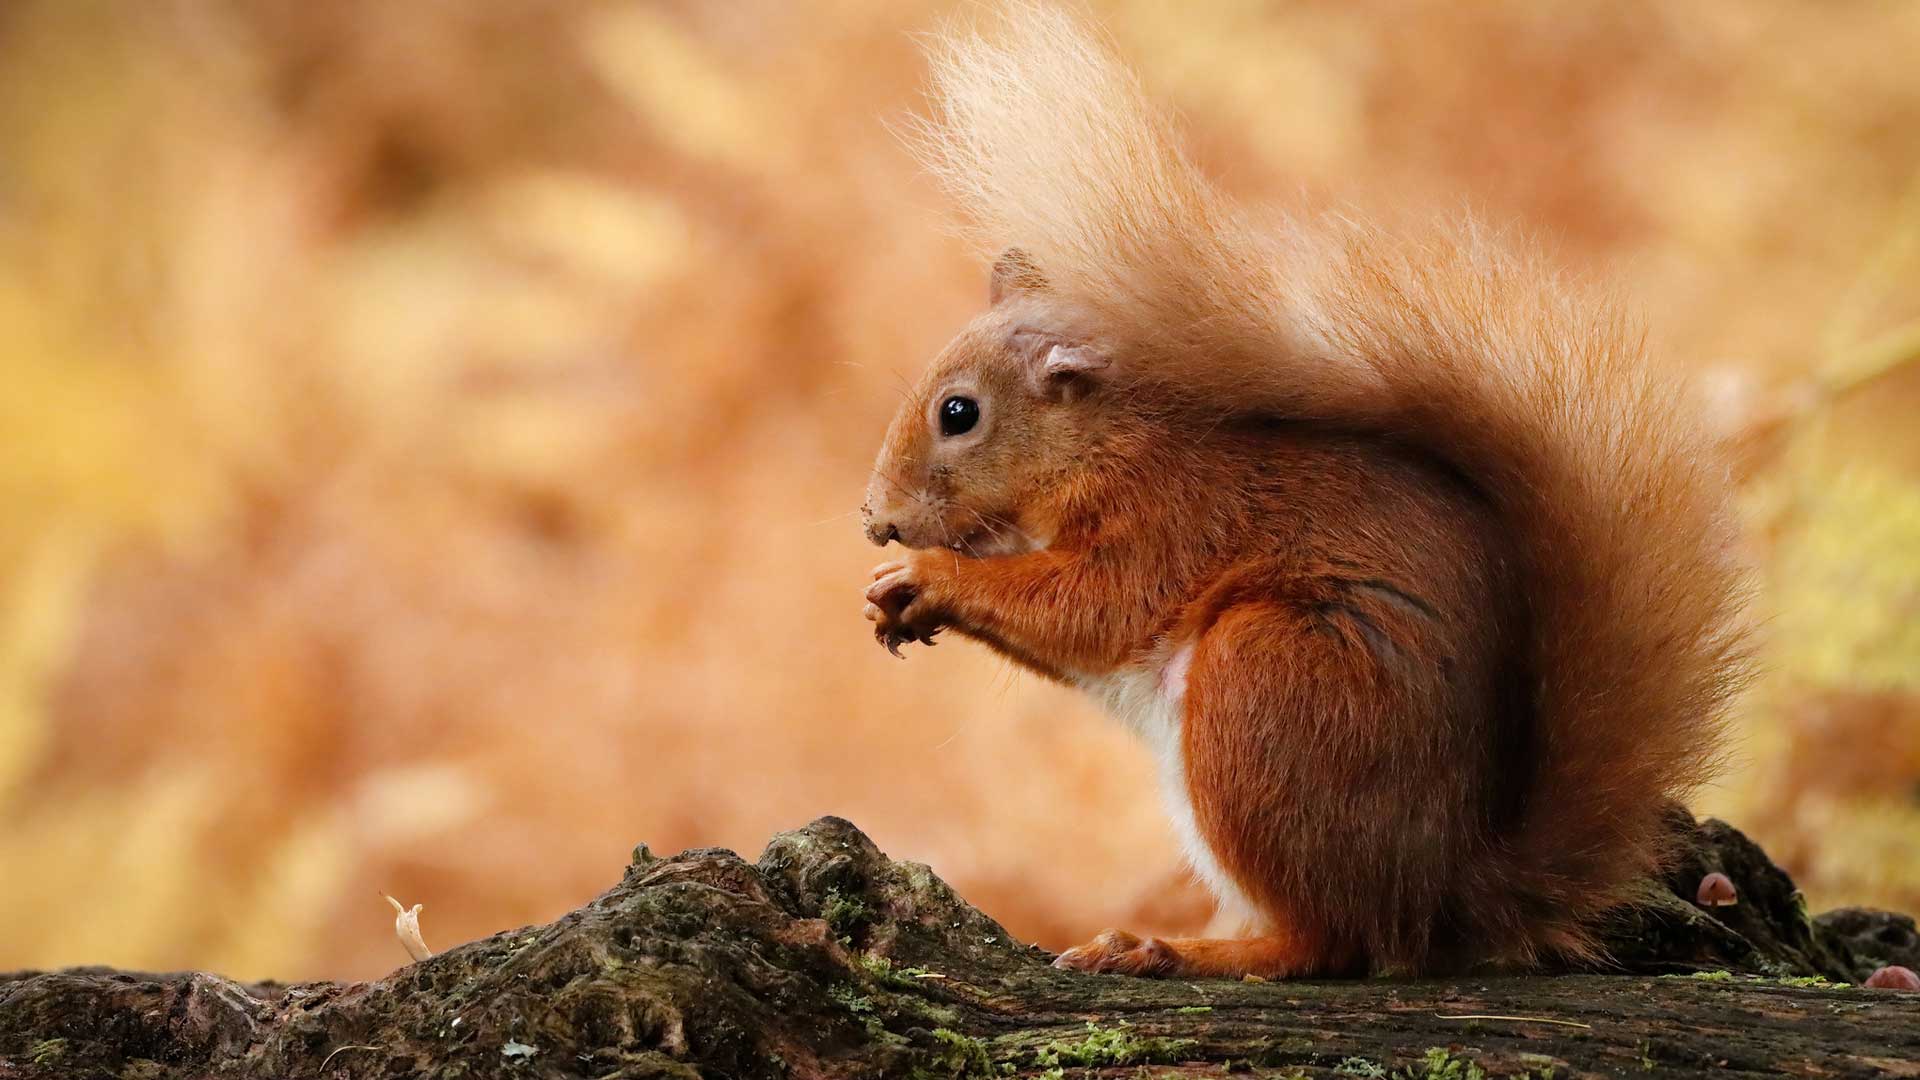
958,415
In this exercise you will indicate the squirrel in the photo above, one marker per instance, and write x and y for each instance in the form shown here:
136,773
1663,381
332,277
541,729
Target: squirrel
1416,579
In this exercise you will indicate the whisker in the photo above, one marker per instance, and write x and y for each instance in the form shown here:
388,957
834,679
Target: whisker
957,732
834,518
787,528
952,546
992,521
899,487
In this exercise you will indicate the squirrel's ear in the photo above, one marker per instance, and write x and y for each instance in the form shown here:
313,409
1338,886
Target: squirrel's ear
1063,361
1014,271
1060,368
1067,372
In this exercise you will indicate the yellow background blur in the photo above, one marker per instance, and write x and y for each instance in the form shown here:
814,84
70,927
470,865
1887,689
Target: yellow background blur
432,430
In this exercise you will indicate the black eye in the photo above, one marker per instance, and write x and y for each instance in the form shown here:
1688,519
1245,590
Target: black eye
958,415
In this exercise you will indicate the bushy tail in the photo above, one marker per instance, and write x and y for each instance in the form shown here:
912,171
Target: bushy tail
1476,354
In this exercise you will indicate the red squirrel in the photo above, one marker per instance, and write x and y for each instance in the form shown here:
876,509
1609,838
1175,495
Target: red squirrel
1415,579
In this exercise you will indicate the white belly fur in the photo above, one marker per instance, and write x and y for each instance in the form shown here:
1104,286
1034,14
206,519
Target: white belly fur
1150,699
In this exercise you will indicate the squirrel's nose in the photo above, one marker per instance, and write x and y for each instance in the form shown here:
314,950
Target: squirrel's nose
882,532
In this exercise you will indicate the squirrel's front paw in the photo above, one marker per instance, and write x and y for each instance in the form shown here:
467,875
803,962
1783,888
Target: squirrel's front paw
1121,953
895,607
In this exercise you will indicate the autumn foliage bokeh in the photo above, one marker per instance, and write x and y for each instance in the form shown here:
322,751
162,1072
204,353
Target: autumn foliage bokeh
432,433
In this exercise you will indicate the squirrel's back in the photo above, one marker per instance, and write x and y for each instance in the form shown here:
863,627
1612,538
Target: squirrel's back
1452,345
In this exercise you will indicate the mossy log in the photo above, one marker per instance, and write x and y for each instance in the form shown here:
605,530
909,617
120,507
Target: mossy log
827,959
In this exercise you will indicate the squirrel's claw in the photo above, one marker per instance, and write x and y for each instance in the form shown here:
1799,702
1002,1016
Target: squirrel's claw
890,638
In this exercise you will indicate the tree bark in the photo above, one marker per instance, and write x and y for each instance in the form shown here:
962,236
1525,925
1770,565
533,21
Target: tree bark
827,959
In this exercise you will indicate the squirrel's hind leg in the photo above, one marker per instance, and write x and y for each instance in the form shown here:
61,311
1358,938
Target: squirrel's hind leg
1320,739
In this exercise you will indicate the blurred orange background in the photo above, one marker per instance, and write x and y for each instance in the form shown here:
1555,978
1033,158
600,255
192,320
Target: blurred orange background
433,433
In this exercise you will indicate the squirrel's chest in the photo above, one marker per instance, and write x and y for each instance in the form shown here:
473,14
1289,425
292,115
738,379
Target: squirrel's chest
1150,699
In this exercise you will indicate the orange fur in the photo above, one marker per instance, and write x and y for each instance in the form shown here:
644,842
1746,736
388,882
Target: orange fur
1428,571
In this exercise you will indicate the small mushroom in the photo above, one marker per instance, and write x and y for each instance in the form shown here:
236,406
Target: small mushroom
1894,977
1716,890
406,927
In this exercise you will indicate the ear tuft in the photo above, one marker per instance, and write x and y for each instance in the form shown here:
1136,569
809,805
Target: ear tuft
1013,272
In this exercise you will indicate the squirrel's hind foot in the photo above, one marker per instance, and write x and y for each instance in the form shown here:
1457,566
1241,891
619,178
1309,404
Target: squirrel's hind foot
1273,957
1117,952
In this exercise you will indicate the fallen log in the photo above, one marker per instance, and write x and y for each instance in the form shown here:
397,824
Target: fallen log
825,958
